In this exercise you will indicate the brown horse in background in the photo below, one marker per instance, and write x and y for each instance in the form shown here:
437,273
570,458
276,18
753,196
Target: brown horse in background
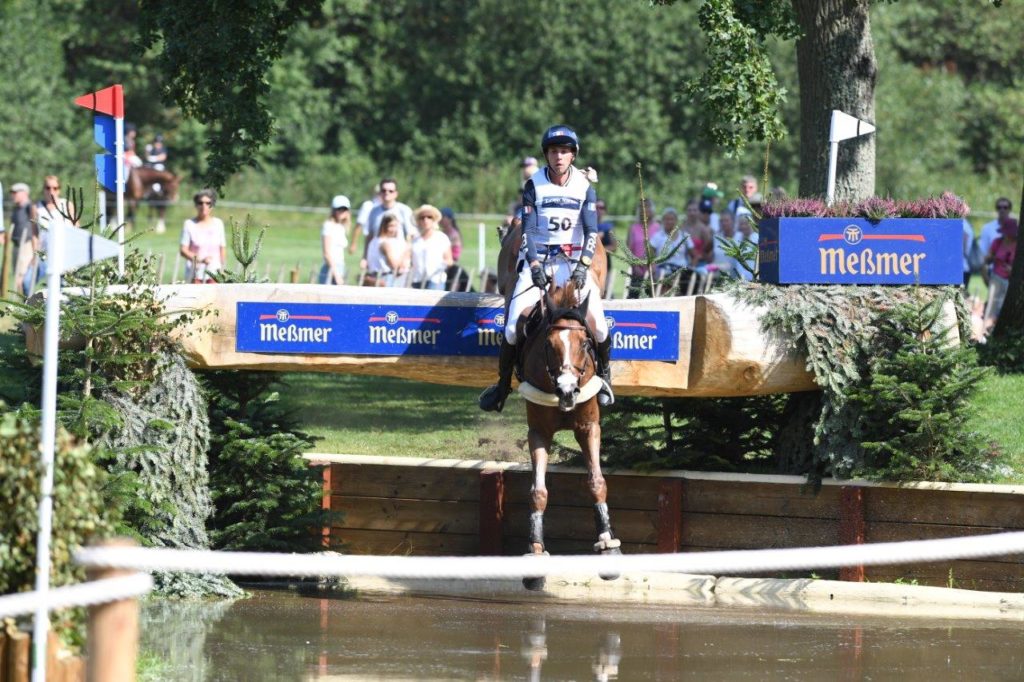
140,187
558,363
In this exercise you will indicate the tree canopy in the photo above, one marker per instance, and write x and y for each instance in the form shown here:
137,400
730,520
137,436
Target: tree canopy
304,90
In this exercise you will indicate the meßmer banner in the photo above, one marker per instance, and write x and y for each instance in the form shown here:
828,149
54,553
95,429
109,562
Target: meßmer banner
859,251
351,329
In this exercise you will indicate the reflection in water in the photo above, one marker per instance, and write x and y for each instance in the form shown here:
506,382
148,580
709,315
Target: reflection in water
283,636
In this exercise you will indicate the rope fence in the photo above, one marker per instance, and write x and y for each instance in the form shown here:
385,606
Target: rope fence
481,568
101,591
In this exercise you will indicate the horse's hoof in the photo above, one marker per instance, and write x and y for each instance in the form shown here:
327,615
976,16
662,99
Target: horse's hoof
608,547
534,584
609,552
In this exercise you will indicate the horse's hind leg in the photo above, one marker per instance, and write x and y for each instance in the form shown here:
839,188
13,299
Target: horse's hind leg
588,435
540,443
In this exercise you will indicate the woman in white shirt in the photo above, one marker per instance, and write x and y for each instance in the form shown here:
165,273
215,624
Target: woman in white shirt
387,255
51,210
334,238
431,251
203,244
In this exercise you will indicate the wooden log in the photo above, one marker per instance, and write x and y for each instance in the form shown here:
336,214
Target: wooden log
722,350
113,630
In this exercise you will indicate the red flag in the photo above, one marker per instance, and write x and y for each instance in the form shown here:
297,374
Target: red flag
109,101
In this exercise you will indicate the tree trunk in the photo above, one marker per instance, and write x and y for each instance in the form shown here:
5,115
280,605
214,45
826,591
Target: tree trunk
837,70
1011,317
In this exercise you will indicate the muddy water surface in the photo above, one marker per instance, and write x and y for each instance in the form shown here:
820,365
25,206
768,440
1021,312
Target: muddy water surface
279,635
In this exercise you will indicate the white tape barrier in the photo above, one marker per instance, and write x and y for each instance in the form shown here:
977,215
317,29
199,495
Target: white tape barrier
714,563
84,594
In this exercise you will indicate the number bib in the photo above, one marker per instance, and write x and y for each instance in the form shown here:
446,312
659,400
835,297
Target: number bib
559,209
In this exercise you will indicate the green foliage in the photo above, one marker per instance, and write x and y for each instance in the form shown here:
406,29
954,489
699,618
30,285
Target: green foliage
739,95
266,495
124,388
216,67
699,434
1004,353
853,336
245,249
913,404
80,514
37,121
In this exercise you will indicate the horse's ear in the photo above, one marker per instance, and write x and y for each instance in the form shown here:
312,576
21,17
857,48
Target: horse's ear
582,307
547,303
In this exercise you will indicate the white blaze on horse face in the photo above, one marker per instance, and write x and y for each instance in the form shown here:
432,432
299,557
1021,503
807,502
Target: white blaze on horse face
567,381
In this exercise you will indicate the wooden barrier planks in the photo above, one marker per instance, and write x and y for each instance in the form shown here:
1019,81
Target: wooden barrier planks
434,507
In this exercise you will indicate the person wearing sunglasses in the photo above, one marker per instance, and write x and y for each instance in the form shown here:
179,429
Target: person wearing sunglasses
203,243
51,210
990,231
389,204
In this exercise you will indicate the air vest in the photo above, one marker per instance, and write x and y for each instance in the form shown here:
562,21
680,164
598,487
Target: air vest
559,208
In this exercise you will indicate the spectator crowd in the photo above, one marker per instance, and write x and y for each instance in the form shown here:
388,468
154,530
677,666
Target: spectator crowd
404,247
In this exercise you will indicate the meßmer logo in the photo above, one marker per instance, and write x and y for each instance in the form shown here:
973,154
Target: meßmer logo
399,330
283,326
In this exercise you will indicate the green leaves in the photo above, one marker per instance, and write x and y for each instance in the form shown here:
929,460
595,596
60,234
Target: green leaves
739,96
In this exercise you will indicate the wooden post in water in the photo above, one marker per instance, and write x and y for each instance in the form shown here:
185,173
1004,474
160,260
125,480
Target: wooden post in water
113,638
851,527
492,512
18,659
670,515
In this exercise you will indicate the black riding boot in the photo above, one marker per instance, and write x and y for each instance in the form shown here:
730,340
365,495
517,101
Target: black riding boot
493,397
605,396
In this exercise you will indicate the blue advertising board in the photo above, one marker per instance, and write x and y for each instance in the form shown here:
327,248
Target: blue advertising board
359,329
859,251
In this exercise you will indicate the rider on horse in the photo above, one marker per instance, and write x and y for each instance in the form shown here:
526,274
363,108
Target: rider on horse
559,238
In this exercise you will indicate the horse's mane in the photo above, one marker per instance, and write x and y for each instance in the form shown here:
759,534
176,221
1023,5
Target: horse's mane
563,301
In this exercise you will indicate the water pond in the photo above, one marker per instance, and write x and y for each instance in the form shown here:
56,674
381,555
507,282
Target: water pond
280,635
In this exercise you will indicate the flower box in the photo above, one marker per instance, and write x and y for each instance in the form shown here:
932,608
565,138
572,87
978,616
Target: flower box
861,251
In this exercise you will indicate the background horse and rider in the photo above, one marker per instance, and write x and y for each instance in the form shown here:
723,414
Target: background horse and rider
557,370
158,188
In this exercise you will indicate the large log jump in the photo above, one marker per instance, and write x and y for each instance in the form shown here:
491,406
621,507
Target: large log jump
722,350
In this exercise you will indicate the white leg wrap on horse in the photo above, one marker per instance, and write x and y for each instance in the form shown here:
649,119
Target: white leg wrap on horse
606,541
537,528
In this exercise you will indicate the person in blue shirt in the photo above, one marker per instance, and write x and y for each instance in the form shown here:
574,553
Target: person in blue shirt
560,234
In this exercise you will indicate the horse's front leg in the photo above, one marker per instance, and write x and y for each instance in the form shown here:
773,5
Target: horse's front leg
540,445
587,430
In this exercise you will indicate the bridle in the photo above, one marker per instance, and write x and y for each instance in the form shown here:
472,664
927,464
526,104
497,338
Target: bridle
554,369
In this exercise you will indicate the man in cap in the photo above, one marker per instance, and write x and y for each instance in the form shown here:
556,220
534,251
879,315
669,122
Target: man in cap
24,233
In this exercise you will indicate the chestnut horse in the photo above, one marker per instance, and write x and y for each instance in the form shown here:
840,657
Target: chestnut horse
140,186
558,378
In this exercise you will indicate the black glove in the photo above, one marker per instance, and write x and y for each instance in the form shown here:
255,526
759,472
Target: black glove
579,276
540,280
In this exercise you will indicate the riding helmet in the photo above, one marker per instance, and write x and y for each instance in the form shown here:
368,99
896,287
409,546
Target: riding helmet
560,135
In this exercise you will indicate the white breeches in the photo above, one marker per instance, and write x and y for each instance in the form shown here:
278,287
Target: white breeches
526,295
